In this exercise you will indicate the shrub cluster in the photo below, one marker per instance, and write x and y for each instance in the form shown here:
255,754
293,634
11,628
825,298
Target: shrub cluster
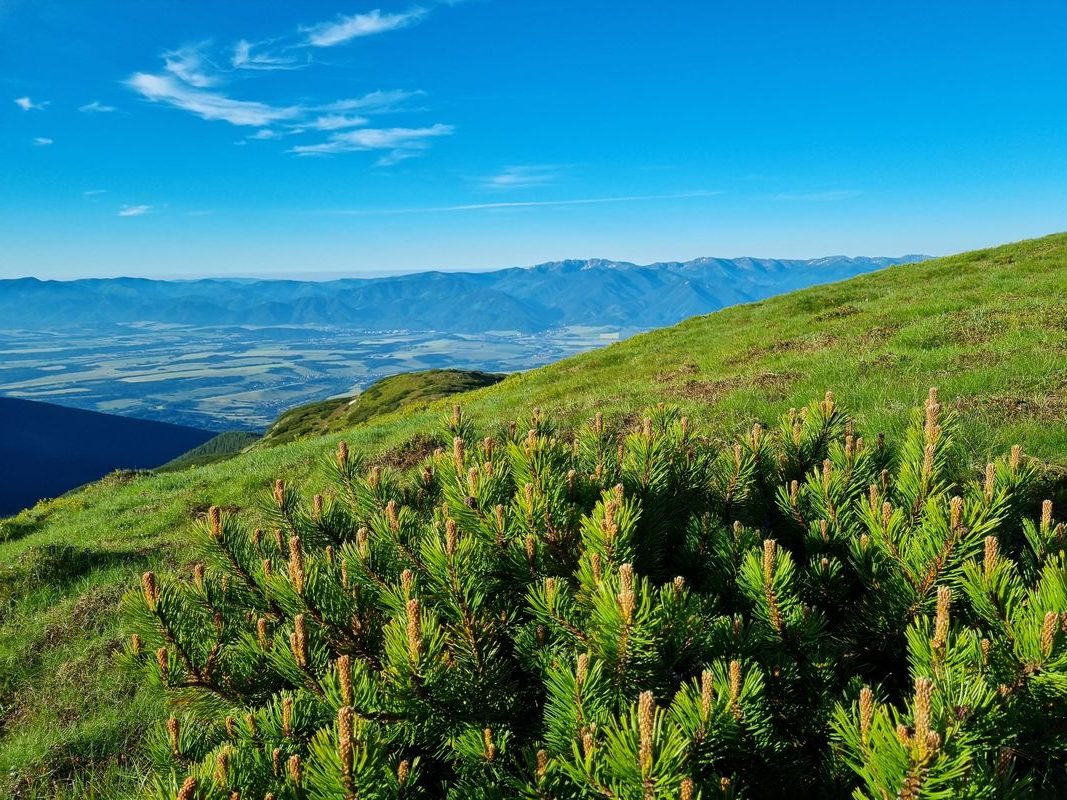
634,614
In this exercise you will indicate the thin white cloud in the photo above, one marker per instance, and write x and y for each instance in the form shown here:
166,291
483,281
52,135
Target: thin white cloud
251,55
134,211
401,143
378,102
633,198
346,28
837,194
209,105
94,192
42,141
521,177
26,104
190,64
96,107
336,122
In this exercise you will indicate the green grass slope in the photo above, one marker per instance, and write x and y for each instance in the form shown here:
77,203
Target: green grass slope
382,397
218,448
987,327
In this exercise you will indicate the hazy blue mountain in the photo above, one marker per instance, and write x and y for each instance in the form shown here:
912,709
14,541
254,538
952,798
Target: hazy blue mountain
592,292
47,449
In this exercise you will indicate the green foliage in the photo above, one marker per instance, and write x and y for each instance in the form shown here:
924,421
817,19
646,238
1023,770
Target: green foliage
623,615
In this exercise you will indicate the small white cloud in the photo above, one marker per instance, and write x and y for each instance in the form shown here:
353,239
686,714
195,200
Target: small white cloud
189,64
402,143
96,107
134,211
94,192
265,133
346,28
209,105
26,104
42,141
336,122
520,177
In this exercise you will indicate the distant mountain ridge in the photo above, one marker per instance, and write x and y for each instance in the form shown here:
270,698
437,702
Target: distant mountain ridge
594,292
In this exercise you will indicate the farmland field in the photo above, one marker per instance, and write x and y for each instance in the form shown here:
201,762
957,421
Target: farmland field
241,377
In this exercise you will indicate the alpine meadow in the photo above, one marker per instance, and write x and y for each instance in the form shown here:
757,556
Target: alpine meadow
510,400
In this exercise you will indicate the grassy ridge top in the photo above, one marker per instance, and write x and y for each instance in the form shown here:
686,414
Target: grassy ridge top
987,327
382,397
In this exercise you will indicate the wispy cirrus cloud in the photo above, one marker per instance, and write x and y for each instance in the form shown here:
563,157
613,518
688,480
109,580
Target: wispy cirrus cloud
42,141
399,143
581,201
94,192
191,65
209,105
254,56
27,104
196,78
134,211
96,107
346,28
521,177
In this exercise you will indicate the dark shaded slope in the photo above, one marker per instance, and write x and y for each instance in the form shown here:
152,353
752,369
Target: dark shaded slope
47,449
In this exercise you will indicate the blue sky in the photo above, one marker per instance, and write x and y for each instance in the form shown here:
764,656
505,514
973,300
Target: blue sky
167,138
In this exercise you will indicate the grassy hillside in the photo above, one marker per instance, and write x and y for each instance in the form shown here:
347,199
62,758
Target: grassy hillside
218,448
382,397
987,327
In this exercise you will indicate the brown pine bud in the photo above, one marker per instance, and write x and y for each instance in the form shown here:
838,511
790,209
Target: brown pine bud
164,664
231,727
707,694
222,766
924,690
344,740
542,764
941,621
1048,633
582,670
992,553
287,716
135,644
188,790
276,761
214,515
735,688
866,712
342,453
1046,516
151,590
344,679
646,718
402,771
1015,459
490,748
955,512
198,576
296,565
174,736
414,631
686,791
298,641
450,536
279,493
990,481
296,769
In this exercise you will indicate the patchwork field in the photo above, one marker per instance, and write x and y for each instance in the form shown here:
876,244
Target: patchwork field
243,377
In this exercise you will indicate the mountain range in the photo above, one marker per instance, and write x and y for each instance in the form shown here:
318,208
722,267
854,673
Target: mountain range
592,292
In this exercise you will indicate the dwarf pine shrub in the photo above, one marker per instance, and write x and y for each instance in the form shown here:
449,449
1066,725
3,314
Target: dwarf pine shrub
624,615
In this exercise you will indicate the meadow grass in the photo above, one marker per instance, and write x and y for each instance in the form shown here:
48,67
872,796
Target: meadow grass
989,328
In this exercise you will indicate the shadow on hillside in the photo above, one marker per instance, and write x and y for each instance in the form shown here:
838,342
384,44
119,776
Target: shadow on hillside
55,566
